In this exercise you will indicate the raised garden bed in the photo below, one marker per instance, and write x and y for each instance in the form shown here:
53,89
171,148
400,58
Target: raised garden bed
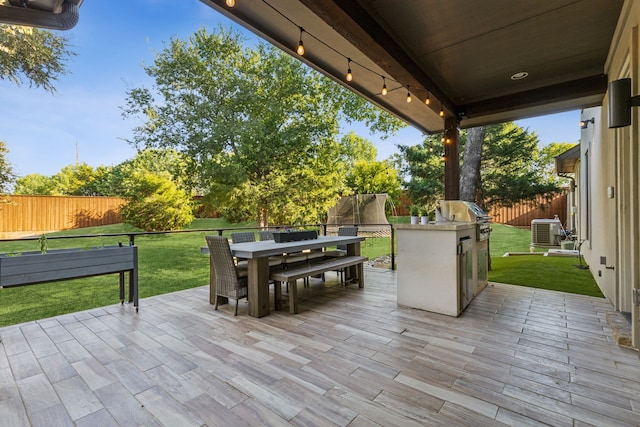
294,236
27,268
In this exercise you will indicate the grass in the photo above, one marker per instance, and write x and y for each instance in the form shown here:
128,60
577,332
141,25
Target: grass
536,271
173,262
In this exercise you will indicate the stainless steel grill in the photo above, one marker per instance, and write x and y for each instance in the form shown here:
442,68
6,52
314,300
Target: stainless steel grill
461,211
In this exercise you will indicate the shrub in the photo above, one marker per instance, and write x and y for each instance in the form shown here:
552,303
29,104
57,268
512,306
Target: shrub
154,203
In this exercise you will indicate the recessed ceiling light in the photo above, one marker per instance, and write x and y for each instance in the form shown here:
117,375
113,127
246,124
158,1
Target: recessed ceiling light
519,75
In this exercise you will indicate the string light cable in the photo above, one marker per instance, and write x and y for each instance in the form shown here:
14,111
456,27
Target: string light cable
300,50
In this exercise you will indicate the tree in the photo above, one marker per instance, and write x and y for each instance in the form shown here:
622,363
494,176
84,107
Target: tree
546,162
374,177
470,173
510,168
510,172
357,148
422,168
35,184
364,174
6,171
155,161
259,126
31,54
72,180
154,202
79,180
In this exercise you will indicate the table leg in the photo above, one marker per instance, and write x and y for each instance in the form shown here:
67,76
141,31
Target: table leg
122,287
258,277
353,249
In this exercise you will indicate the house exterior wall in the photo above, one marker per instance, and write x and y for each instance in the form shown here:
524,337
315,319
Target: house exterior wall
609,222
598,211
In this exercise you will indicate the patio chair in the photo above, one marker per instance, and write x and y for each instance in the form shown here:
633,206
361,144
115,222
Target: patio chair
243,237
341,250
231,280
265,235
287,260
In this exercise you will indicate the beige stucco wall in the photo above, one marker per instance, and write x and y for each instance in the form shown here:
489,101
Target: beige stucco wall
597,215
610,158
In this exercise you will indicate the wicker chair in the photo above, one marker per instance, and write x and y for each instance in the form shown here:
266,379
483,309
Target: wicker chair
243,237
265,235
341,250
231,281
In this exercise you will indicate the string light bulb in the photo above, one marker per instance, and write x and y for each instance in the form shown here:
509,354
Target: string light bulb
349,75
427,100
230,3
384,86
441,112
300,48
408,94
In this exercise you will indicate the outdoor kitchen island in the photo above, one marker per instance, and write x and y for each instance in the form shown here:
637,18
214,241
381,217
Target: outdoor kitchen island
442,265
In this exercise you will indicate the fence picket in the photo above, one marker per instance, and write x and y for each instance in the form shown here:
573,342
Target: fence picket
37,214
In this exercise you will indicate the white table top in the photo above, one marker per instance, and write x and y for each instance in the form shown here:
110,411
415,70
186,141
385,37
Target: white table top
267,248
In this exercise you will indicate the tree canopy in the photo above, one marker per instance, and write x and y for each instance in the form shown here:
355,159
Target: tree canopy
72,180
33,55
512,167
259,126
6,171
422,168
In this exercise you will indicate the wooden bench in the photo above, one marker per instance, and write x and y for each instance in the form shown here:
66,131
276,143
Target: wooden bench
314,268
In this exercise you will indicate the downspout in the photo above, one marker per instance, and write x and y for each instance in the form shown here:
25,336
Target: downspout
65,20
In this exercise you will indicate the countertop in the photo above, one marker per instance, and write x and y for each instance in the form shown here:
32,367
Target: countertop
443,226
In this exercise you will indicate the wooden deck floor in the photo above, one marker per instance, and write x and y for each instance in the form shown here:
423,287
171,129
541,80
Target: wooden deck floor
517,356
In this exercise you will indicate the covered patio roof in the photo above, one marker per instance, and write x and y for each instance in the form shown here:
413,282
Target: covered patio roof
468,58
567,162
477,62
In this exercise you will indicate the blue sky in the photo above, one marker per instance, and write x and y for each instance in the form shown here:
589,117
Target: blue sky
113,41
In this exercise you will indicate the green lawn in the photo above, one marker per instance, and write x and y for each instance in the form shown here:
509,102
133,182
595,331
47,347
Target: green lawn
537,271
173,262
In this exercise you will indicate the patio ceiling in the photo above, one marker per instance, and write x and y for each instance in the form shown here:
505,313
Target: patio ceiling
461,54
51,14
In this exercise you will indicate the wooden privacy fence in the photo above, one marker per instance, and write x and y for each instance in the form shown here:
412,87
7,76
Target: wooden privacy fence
520,215
22,215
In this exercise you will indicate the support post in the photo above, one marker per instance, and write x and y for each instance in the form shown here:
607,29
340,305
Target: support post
451,160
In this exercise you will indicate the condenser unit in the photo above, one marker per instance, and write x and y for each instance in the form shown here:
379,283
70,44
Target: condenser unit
546,232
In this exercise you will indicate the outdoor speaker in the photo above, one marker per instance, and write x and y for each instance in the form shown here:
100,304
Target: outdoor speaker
619,103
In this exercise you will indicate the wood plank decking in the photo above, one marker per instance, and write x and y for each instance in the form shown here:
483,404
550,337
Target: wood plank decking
517,356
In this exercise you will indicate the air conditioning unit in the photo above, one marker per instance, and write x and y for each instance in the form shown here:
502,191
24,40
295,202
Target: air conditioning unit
546,232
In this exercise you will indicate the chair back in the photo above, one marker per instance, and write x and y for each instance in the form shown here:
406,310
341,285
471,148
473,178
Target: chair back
346,231
243,237
228,283
265,235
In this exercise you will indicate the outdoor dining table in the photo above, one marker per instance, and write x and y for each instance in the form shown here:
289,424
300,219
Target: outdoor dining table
257,254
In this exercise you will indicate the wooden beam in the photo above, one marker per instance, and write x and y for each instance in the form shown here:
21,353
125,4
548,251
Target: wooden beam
581,88
451,160
353,22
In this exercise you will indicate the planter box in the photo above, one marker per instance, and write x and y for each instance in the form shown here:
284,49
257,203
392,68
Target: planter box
62,264
294,236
